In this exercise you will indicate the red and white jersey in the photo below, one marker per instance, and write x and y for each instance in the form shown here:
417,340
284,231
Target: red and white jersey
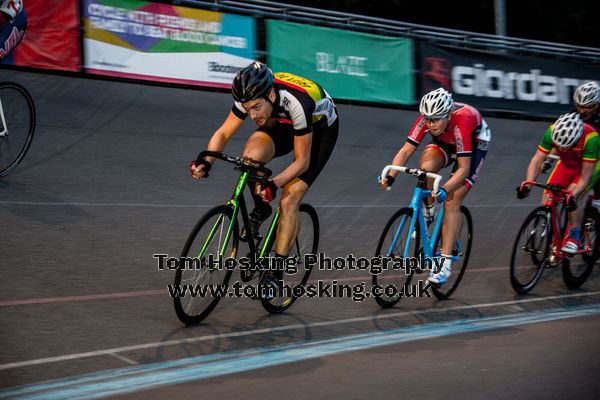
11,7
466,123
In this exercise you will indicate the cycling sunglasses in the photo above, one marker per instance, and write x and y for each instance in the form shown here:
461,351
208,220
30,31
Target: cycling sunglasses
434,119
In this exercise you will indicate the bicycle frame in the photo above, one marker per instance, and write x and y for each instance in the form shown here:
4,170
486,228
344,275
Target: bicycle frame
416,204
238,205
555,196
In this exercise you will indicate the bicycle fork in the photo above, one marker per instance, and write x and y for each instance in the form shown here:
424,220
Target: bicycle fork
4,128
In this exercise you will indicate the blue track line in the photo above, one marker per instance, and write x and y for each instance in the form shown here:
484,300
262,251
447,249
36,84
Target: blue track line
143,377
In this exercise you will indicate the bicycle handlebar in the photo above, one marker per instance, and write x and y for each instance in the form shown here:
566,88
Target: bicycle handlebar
241,162
414,172
555,189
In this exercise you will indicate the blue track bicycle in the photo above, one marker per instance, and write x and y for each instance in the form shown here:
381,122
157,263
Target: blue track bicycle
407,234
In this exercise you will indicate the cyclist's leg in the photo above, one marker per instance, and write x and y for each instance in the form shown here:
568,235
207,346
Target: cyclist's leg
292,196
324,140
452,215
567,178
263,145
563,176
575,217
259,147
433,159
557,177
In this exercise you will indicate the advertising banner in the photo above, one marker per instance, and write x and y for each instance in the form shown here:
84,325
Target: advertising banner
349,65
52,37
496,81
162,42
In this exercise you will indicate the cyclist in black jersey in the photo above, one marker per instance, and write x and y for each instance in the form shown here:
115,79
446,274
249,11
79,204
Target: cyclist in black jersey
292,114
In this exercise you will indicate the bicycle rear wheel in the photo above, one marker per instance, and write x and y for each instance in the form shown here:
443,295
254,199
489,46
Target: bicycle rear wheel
17,125
577,269
307,242
530,251
392,243
201,283
462,249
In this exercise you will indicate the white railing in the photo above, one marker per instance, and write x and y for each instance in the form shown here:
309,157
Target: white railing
270,9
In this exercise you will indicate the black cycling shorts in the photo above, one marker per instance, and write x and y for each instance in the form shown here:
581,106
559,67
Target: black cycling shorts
323,142
477,158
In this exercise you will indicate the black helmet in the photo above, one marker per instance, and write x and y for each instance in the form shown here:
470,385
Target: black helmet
254,81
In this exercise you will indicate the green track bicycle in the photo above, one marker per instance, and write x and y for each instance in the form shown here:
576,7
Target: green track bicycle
216,237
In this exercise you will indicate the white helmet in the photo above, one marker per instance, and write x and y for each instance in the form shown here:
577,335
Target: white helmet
436,102
568,128
587,94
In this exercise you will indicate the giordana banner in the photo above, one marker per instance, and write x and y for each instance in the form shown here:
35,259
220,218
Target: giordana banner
161,42
522,84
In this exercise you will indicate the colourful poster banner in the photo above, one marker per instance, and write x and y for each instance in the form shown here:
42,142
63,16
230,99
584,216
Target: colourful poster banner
162,42
349,65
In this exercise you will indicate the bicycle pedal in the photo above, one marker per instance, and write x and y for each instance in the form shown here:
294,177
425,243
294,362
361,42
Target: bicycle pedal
244,236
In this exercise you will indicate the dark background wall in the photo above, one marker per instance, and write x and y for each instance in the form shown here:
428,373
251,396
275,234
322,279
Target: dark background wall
574,22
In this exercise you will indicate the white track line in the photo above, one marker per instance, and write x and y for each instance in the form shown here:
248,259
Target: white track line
153,345
124,359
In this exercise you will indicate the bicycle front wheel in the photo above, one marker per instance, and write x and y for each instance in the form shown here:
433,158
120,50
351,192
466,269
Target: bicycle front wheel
461,249
393,241
307,242
530,251
17,125
577,269
203,274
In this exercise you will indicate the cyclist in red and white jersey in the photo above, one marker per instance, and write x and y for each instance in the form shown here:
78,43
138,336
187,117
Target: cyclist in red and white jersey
13,21
460,136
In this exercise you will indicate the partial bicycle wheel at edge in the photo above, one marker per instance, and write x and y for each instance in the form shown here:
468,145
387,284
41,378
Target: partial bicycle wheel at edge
577,269
395,281
462,248
307,242
17,125
201,281
530,250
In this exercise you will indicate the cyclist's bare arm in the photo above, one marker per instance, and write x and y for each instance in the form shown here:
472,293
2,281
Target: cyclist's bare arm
587,170
459,176
533,169
222,135
218,140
